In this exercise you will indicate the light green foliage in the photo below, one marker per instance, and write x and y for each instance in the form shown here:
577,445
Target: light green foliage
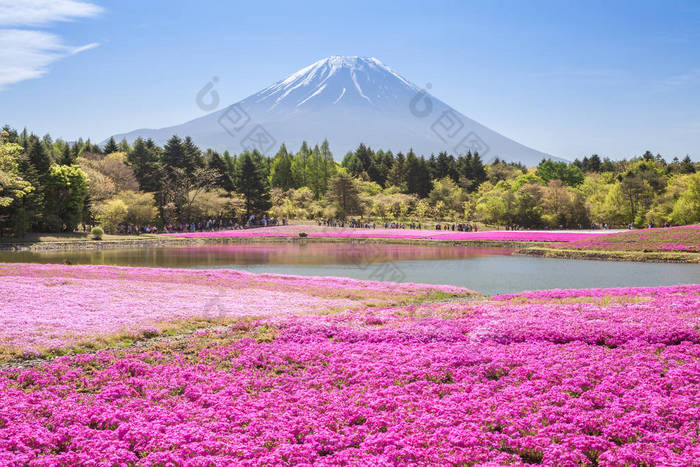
493,203
97,233
12,186
281,170
141,207
111,214
42,189
569,174
451,196
687,208
66,190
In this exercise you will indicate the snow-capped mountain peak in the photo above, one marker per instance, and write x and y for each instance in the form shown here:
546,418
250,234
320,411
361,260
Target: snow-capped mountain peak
334,80
348,100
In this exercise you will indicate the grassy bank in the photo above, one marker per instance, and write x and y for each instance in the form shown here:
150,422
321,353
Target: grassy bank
83,240
663,245
604,255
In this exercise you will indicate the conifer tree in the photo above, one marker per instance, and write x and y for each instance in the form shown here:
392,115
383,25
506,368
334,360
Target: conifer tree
174,154
111,146
252,184
281,170
144,159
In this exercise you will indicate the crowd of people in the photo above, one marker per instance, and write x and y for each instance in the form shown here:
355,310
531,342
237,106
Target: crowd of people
253,221
200,225
358,224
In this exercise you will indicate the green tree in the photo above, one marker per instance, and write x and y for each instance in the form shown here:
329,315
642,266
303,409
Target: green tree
174,154
225,168
686,210
145,160
39,158
397,173
495,204
253,186
13,187
321,168
111,146
449,193
527,209
300,166
141,207
113,213
417,176
345,194
569,174
66,190
193,155
687,166
281,170
123,146
328,168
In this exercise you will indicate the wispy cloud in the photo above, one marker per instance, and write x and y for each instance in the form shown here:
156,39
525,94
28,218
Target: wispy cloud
41,12
83,48
27,54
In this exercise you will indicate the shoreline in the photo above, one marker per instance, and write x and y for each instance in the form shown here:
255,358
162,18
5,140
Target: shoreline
602,255
522,248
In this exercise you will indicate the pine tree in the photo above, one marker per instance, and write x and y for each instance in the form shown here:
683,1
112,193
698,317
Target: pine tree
124,146
478,171
417,175
343,190
111,146
376,170
328,170
39,158
300,166
687,166
174,154
252,184
66,156
315,172
397,173
144,159
192,155
224,170
281,170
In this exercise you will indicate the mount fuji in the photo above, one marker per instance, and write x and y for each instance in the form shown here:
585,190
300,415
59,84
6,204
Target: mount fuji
347,100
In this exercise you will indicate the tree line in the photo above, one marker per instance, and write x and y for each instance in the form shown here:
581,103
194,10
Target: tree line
54,186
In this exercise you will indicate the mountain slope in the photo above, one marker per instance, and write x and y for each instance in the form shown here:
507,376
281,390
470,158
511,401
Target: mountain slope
346,100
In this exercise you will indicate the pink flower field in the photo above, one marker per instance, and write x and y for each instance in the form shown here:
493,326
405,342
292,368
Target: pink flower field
564,377
685,238
49,307
335,232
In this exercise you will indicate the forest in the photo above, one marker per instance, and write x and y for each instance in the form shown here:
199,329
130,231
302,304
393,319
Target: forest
51,185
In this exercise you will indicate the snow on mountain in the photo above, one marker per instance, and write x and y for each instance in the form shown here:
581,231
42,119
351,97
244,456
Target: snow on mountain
347,100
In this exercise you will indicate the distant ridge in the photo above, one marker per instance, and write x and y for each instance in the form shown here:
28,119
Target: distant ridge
347,100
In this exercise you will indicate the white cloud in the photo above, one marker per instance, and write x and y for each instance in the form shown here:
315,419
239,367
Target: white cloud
27,54
83,48
40,12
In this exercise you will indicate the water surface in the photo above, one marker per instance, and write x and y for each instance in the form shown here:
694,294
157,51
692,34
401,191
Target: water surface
486,270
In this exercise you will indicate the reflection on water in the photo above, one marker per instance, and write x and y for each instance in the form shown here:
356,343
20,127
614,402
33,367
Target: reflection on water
202,256
486,270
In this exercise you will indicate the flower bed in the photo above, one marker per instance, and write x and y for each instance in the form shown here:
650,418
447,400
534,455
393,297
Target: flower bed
590,377
50,307
337,232
685,238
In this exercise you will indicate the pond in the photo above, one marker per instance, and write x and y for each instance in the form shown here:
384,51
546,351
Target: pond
489,271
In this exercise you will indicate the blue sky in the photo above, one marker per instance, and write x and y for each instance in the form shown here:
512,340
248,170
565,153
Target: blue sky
568,78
